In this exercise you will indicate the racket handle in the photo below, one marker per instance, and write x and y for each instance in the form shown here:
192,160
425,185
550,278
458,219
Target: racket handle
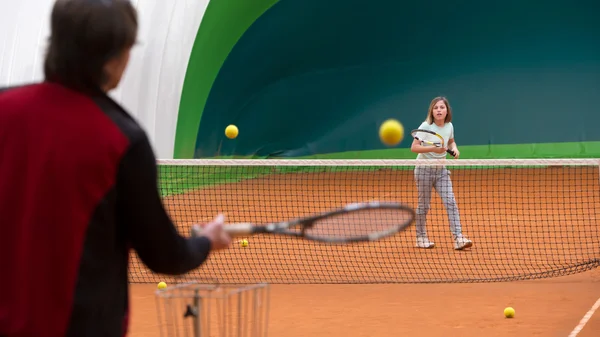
451,153
239,229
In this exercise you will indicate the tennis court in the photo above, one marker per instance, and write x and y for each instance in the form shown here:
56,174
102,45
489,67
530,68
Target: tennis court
543,308
535,233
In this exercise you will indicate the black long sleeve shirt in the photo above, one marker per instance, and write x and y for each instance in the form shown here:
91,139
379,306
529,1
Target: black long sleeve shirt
78,190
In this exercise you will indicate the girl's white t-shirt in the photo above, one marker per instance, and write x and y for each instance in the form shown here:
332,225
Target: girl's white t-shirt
447,133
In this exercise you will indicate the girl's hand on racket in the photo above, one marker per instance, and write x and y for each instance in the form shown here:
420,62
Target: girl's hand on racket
213,230
439,149
456,153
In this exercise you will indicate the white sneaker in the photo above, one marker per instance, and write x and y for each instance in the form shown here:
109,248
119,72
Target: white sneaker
423,242
462,242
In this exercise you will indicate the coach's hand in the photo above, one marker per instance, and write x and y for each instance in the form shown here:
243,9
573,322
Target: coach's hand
214,232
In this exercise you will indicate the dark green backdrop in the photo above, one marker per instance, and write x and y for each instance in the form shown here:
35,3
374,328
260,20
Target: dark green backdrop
318,77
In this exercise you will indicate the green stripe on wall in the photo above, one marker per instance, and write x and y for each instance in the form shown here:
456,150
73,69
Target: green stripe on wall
177,180
508,151
504,151
223,23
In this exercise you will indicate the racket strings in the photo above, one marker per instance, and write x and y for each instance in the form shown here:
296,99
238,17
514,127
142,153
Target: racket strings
359,223
427,139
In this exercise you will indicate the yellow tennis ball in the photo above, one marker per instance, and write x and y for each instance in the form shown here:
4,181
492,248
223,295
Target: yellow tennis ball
162,285
244,243
391,132
509,312
231,131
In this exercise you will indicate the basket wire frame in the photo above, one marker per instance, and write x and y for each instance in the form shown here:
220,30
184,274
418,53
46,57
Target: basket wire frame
213,310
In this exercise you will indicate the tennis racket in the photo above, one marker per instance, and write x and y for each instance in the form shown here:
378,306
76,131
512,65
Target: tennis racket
355,222
430,138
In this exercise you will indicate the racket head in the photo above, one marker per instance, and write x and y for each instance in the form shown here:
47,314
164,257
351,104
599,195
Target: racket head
357,222
428,137
431,138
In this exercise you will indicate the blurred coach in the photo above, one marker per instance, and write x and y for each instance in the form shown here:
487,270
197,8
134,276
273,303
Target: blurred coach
78,186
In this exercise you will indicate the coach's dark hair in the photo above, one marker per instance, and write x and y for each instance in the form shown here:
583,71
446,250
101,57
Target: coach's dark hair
85,35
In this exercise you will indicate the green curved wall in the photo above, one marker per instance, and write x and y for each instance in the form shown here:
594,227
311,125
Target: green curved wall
316,78
223,23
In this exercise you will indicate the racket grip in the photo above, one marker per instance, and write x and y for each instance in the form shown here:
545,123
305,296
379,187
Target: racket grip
239,229
451,153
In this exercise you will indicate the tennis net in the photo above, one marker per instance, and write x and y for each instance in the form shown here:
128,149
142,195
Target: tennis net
527,218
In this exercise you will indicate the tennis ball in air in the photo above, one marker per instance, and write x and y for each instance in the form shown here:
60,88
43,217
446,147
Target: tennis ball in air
244,243
509,312
231,131
391,132
162,285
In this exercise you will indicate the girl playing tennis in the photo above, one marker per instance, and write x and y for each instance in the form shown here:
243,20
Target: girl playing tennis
438,120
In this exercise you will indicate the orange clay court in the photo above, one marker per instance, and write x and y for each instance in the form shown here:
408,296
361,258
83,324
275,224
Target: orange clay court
534,230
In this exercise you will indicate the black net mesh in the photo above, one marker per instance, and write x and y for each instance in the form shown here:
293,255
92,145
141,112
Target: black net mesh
526,218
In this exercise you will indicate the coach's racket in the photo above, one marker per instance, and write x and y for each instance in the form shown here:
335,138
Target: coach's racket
353,223
430,138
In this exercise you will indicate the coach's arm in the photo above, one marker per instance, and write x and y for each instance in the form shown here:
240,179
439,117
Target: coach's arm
148,226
